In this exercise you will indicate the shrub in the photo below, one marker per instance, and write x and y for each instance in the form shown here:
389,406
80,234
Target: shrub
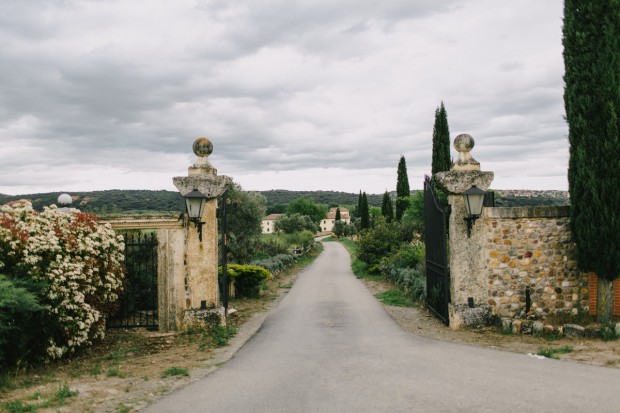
247,278
277,263
303,239
378,242
78,262
19,311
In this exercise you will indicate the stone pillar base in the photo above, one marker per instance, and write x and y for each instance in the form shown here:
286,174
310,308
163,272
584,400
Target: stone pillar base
465,316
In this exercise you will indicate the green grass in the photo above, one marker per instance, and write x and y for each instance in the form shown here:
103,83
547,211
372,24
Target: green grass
57,399
395,298
115,371
175,371
554,353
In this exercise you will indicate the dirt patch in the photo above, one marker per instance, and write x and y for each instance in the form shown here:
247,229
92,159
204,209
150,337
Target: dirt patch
420,321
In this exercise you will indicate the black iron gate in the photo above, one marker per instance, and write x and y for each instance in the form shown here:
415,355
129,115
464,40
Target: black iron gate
436,238
138,303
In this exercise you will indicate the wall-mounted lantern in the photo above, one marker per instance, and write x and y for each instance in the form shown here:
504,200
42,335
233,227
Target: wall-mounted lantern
195,203
474,200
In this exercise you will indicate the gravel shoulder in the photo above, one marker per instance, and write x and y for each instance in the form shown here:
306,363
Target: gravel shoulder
420,321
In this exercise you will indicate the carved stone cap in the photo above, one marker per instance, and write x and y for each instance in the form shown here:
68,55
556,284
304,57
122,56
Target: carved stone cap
202,175
457,182
211,186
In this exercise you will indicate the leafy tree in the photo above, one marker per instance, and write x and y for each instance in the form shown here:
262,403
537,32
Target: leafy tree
592,102
304,206
441,141
378,242
289,224
244,213
364,213
387,208
402,189
414,214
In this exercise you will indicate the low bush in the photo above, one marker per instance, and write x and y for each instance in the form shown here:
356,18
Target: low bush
77,264
277,263
247,279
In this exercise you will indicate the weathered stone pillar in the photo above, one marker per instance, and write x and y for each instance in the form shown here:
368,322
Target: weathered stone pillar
201,257
468,286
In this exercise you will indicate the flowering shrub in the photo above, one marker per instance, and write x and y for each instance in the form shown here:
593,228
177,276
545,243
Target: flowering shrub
78,262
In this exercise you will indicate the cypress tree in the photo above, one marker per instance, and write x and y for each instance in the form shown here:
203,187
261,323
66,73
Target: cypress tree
338,217
387,209
592,103
402,189
441,141
365,213
358,212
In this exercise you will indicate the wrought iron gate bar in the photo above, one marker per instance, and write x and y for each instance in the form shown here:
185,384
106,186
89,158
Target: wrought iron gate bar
436,239
138,303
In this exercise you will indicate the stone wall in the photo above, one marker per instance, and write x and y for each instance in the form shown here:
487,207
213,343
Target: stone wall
530,263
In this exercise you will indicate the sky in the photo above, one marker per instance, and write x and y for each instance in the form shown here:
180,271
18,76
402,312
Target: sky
294,94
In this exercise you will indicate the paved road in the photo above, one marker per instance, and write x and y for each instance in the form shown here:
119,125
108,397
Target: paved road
330,347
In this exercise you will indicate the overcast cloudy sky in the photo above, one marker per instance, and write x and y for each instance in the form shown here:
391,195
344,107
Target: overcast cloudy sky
299,95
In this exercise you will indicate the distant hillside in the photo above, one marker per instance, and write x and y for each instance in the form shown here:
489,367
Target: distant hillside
143,201
330,198
515,198
114,201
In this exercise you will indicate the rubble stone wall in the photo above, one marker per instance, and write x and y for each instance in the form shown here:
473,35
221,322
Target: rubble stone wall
531,268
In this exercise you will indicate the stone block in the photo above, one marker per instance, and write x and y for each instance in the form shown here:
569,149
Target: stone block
506,324
617,329
516,326
538,327
573,330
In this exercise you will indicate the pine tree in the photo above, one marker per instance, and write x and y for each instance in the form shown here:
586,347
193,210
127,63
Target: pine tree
441,141
364,213
592,102
402,189
387,209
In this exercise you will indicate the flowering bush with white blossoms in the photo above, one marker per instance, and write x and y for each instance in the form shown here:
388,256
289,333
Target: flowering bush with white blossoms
78,262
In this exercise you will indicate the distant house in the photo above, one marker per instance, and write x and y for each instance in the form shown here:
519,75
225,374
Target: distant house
268,224
327,224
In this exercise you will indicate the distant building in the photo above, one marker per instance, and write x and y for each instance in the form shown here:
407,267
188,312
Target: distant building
268,224
327,224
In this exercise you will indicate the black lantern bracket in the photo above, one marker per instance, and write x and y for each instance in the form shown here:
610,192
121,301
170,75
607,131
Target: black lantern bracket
474,200
194,203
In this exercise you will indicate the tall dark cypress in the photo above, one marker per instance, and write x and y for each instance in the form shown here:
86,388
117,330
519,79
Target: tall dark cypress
338,216
402,189
365,213
591,34
387,209
441,141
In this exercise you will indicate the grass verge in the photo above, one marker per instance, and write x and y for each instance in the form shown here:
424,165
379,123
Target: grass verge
554,353
396,298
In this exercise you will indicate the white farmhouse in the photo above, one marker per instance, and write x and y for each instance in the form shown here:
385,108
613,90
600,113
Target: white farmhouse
327,224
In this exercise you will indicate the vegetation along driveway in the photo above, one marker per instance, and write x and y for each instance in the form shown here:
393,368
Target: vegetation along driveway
330,347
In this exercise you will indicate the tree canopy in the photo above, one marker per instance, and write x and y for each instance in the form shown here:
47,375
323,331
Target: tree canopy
402,189
304,206
441,141
592,102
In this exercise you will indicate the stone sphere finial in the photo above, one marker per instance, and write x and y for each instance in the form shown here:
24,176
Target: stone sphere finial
65,199
464,143
202,147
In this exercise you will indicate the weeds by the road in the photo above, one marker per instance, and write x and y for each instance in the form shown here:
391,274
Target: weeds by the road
175,371
395,298
554,353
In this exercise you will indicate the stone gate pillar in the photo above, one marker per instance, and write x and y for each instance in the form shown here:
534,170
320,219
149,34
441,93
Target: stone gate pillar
201,257
468,286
